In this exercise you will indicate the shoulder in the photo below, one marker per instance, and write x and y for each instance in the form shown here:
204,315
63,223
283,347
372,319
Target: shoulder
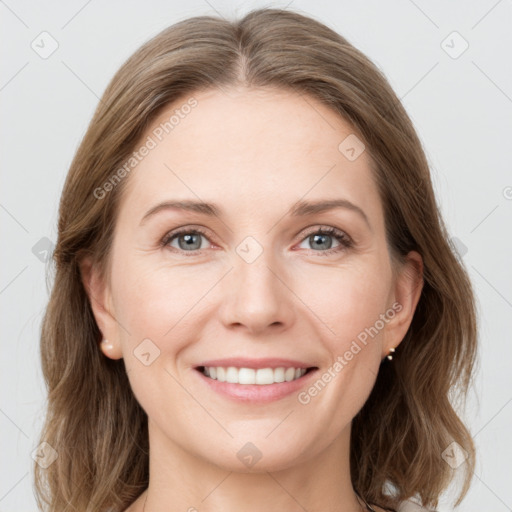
405,506
412,506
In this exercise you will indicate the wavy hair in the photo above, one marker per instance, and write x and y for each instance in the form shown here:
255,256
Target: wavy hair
92,417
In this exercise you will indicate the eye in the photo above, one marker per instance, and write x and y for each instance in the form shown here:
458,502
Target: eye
322,239
188,240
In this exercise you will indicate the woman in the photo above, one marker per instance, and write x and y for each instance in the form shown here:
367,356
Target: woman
255,304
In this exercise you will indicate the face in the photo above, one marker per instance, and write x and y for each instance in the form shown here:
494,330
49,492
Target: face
302,297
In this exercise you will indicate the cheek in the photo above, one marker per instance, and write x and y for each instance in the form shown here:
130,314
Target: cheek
359,299
350,302
347,300
155,303
155,300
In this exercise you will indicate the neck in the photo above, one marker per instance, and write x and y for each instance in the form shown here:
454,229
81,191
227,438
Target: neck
183,481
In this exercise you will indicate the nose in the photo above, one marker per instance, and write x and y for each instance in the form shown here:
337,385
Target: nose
257,296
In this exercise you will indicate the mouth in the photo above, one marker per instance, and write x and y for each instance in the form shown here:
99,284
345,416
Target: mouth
254,376
255,381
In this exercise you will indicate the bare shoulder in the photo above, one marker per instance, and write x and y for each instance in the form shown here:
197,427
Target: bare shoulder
405,506
411,506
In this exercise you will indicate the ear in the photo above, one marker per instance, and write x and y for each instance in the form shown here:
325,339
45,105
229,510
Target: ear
405,295
100,299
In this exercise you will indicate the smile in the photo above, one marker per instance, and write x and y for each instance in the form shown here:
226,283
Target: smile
246,376
255,380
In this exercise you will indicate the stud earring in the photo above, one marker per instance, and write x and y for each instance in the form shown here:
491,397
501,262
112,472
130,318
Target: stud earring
391,352
110,349
106,346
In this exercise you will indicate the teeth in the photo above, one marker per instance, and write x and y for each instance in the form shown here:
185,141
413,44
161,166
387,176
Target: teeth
261,376
246,376
289,374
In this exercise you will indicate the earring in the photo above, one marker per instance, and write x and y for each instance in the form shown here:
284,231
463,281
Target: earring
106,346
391,352
110,349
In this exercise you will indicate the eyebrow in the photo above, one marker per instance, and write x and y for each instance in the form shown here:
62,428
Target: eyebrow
299,209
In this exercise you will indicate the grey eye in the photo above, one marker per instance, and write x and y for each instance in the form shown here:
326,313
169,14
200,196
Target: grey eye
321,241
187,241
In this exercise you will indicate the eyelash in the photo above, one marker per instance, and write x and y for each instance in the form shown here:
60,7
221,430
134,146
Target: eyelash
344,240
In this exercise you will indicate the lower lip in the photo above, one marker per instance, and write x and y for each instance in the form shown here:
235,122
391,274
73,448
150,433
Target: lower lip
255,393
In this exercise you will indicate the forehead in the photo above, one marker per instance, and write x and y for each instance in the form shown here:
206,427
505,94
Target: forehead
250,149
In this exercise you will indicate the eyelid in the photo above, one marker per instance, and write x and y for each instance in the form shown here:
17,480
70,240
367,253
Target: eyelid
324,228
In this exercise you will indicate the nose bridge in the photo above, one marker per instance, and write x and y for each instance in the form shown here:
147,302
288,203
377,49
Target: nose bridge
258,296
253,264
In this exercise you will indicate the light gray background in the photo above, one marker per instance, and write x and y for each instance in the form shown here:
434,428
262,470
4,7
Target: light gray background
461,107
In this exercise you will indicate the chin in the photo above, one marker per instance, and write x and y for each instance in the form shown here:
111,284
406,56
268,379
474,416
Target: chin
254,457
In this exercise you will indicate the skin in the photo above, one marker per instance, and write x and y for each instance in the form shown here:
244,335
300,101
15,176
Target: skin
254,152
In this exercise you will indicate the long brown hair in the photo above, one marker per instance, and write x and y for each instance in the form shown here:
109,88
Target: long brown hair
398,438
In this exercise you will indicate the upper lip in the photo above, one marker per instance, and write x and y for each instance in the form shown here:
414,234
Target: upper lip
243,362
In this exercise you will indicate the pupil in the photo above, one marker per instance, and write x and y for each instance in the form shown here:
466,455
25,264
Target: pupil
319,237
190,243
